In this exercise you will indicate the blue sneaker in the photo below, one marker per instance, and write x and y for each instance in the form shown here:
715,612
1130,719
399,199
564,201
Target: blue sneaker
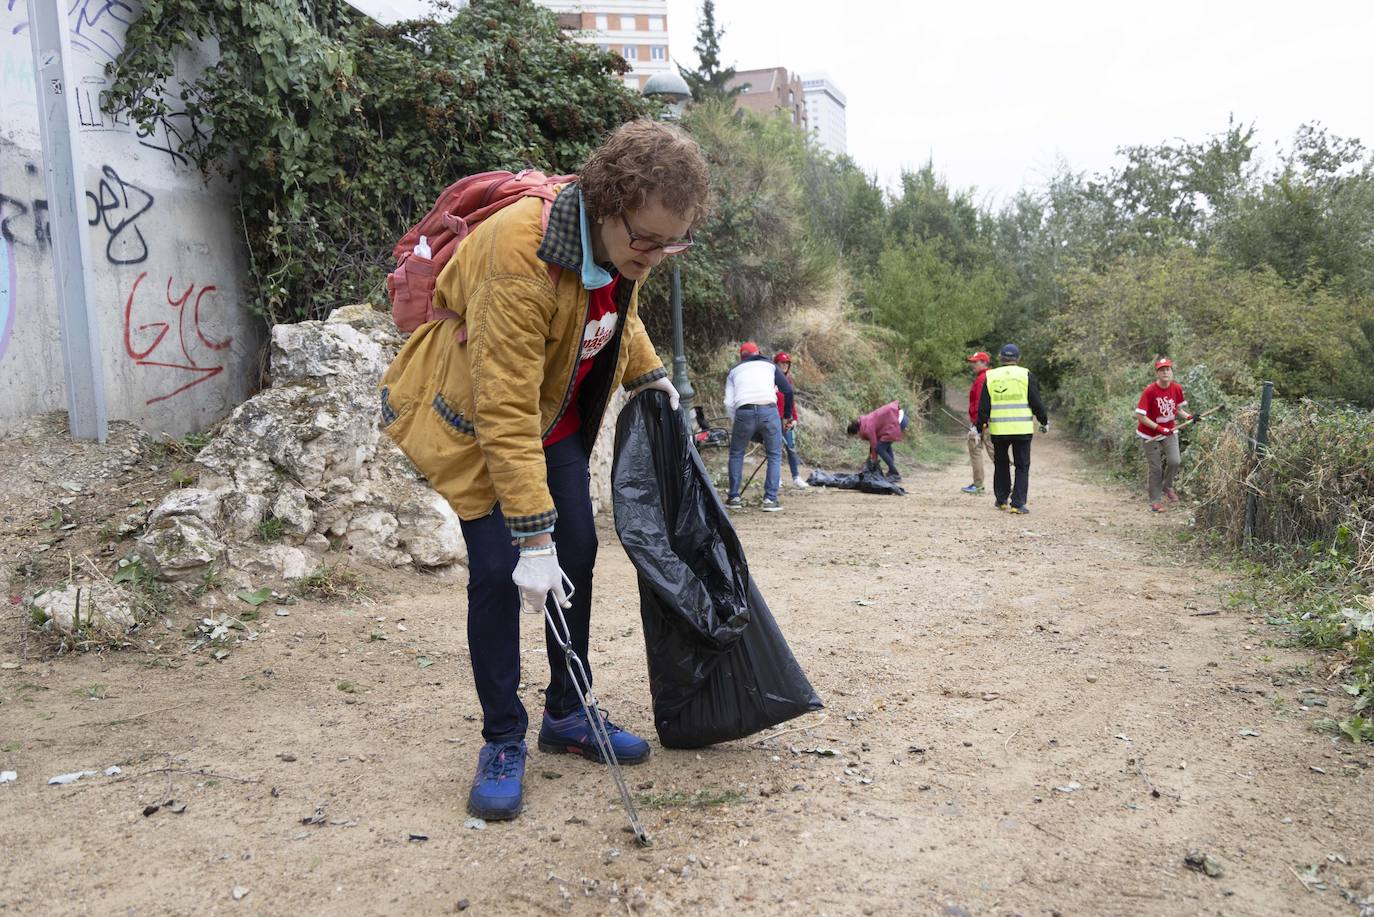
496,792
972,489
573,735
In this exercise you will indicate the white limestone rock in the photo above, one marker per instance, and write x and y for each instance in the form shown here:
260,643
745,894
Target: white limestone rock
292,509
191,501
372,536
179,547
428,530
96,608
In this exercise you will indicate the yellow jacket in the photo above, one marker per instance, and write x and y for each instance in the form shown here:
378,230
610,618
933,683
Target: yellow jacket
470,399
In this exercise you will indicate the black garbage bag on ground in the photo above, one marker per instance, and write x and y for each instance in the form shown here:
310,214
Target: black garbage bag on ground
870,481
719,668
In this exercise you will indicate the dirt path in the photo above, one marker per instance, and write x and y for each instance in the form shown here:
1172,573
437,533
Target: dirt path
1030,715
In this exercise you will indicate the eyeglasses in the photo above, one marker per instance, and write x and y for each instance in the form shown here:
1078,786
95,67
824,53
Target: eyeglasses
644,246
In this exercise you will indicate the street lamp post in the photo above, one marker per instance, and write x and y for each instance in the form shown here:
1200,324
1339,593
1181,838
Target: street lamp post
673,89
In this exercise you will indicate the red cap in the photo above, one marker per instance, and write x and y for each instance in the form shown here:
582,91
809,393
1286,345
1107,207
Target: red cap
748,349
1163,362
782,356
980,355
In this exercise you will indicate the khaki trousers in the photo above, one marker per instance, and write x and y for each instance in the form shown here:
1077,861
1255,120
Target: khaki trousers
1163,458
977,446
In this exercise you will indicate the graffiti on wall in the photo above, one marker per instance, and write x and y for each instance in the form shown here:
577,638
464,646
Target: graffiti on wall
97,29
97,26
116,204
155,348
7,273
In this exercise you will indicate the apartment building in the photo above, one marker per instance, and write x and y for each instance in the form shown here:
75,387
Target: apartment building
637,31
772,89
825,106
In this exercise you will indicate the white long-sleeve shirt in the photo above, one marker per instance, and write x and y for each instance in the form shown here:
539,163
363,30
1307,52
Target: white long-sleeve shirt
756,380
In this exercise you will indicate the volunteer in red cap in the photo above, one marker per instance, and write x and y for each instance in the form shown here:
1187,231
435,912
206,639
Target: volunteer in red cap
750,400
783,361
1157,413
977,442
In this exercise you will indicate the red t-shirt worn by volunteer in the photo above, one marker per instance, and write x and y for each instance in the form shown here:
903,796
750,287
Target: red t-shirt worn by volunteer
601,319
1162,406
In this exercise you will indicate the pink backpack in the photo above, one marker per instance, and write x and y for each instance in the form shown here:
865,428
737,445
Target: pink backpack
463,205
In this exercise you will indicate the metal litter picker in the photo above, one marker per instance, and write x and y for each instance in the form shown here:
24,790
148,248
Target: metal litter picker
578,673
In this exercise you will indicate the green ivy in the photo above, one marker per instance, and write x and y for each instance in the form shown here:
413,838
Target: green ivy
340,133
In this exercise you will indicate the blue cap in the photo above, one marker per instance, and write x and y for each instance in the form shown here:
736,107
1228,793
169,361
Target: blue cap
1011,351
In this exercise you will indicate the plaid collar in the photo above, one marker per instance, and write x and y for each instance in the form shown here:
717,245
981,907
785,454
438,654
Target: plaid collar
562,243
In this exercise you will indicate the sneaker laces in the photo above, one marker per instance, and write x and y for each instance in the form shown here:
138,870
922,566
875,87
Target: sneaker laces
584,720
505,763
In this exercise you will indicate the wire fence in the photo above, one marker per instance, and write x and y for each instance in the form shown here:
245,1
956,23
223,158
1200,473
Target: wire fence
1311,484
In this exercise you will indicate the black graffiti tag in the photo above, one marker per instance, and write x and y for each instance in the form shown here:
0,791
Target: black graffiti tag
118,205
13,209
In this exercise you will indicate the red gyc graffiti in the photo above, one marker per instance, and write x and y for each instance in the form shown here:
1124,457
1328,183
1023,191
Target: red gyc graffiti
157,355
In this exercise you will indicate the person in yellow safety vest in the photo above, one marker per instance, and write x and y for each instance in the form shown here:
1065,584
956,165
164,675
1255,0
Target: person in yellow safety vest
1007,411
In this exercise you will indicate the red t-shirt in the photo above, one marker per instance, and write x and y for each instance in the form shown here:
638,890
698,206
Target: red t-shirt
1160,405
975,394
782,404
601,320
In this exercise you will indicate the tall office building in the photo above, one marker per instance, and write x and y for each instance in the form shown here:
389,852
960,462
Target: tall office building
637,31
825,112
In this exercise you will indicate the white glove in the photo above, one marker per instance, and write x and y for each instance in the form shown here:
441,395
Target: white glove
973,430
536,575
663,385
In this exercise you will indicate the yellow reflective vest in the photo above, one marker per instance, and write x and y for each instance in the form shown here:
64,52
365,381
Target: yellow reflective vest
1009,391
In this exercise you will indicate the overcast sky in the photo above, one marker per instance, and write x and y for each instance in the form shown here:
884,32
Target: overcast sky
996,92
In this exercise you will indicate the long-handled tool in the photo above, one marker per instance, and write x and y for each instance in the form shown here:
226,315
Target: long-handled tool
1196,417
578,673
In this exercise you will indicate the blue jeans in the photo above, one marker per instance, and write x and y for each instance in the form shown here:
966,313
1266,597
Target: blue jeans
885,453
789,442
756,420
494,602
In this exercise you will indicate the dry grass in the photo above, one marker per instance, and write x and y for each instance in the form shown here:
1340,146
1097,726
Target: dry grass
1315,484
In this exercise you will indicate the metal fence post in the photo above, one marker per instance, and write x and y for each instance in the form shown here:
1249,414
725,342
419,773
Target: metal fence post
65,177
1260,447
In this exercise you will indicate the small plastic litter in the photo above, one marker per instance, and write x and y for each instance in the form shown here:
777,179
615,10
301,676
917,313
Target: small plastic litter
113,771
8,776
475,824
1070,787
64,779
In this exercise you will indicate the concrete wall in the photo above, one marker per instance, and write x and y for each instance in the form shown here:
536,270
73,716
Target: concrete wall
168,262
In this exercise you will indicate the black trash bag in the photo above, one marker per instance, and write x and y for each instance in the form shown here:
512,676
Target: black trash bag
869,481
719,668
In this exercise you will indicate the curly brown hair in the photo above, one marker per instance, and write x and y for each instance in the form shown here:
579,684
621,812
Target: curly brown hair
644,158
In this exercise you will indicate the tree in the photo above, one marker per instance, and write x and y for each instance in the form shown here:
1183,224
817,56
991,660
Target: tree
936,306
709,80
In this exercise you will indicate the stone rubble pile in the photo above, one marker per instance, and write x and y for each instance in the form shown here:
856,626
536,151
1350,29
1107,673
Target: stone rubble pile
302,468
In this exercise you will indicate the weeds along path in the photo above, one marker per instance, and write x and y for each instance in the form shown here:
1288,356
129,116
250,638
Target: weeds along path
1029,715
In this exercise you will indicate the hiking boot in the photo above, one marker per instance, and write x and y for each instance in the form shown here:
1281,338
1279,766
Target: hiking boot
971,489
770,506
893,475
496,792
1172,495
572,735
1156,507
798,483
734,503
1020,511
